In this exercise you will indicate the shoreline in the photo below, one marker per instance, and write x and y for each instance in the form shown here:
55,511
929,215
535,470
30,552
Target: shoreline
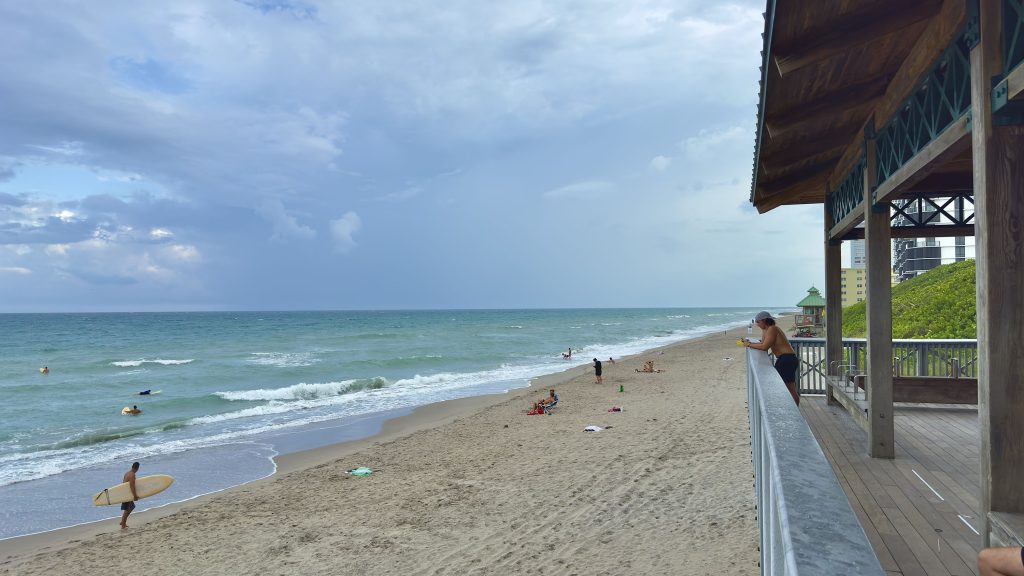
23,550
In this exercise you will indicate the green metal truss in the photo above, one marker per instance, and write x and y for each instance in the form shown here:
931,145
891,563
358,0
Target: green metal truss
849,194
942,97
1013,34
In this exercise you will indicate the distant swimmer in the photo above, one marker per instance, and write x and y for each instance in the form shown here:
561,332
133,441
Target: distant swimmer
133,411
145,392
567,355
45,369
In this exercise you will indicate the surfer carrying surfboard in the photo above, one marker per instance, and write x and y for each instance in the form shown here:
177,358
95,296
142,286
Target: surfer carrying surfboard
127,507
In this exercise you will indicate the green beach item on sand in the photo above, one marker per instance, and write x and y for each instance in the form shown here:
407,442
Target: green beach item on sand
361,471
621,389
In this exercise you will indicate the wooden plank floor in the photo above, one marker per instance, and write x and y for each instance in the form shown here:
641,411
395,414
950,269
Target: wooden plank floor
919,511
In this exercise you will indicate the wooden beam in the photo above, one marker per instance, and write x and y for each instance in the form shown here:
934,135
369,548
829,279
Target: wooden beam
785,162
1015,84
950,143
878,246
940,32
1007,529
843,395
999,212
806,147
827,105
933,390
940,184
930,44
833,303
788,181
806,191
848,223
852,32
914,232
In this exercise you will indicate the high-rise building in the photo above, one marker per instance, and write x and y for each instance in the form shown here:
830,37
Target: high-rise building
857,257
912,256
853,286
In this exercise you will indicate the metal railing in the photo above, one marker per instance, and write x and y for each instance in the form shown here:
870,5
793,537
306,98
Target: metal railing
807,525
911,357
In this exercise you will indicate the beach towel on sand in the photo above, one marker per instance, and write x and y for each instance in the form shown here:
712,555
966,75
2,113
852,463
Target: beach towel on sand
593,428
361,471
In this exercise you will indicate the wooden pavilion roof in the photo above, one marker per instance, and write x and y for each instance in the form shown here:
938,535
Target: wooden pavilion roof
829,69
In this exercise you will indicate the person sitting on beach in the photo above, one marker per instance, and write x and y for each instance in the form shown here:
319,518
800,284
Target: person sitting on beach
538,408
649,368
550,401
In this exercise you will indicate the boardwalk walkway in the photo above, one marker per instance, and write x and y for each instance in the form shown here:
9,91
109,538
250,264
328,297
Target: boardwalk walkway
921,510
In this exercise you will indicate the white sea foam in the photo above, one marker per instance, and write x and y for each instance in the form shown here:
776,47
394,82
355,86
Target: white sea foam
136,363
302,391
132,372
283,359
305,403
265,410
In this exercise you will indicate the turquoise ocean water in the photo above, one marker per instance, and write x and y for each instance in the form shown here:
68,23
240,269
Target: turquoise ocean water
237,388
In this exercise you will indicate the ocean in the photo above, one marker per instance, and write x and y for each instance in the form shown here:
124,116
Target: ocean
231,390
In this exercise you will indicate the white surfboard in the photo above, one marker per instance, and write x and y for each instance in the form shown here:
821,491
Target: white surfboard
145,486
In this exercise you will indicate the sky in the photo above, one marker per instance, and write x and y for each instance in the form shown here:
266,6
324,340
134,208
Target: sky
296,155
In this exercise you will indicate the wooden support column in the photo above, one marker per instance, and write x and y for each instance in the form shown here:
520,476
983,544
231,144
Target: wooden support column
833,305
999,243
878,248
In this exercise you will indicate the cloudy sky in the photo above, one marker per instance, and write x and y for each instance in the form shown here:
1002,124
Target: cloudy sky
277,154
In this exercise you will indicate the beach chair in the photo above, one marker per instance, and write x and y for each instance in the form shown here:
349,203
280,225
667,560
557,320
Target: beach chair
548,407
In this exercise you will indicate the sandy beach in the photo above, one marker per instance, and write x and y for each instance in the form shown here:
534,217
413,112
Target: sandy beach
477,486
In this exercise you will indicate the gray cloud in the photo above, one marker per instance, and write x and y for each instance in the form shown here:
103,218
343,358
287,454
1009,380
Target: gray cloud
240,130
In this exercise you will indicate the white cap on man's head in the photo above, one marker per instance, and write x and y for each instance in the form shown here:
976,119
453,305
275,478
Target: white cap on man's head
763,315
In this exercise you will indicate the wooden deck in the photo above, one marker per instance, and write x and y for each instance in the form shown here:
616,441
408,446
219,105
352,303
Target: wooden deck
920,511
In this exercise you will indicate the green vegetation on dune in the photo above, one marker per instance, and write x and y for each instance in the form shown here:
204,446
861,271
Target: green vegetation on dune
937,304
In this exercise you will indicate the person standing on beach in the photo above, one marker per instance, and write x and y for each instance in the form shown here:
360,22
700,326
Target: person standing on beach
127,507
597,371
774,339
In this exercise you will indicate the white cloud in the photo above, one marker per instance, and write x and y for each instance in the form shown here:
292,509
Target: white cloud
15,270
183,253
343,229
707,142
65,215
261,116
401,196
580,190
62,149
660,163
285,225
